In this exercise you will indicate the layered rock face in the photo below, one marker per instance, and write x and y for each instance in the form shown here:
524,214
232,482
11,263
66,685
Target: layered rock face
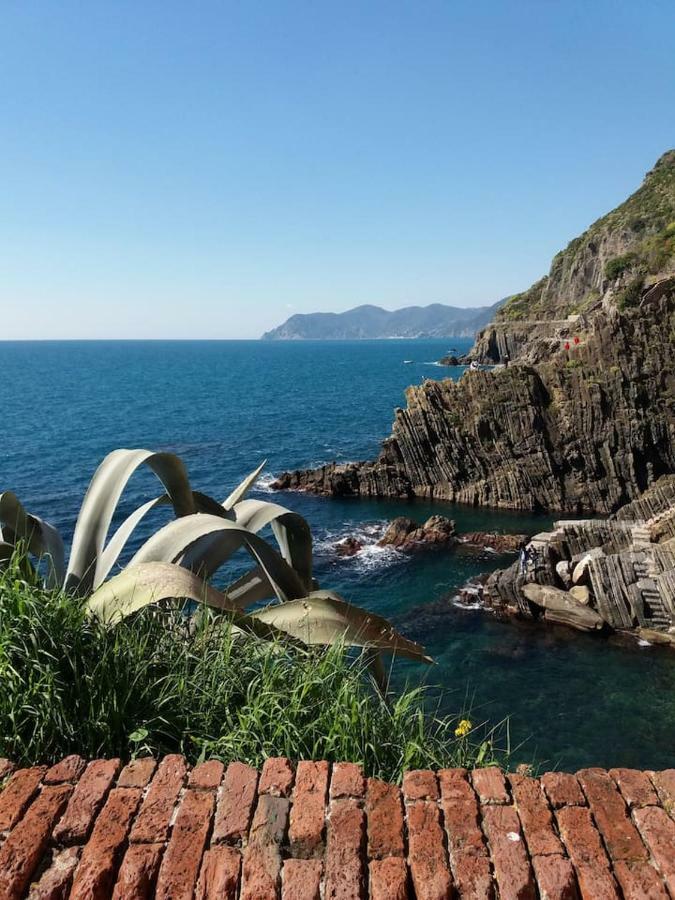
618,573
583,419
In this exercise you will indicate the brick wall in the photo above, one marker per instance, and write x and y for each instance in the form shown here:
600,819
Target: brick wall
309,831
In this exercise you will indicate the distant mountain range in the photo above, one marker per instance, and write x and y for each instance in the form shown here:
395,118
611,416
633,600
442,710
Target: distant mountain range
372,322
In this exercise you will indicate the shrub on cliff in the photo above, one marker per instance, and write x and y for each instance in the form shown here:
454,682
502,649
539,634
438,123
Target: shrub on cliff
161,683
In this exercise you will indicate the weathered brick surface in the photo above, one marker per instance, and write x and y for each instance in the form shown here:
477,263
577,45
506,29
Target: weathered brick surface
55,881
309,809
17,794
562,789
6,768
512,868
636,787
138,873
219,875
180,865
96,874
302,879
68,769
161,833
236,800
152,823
388,879
384,813
426,852
347,781
276,777
611,815
87,799
22,851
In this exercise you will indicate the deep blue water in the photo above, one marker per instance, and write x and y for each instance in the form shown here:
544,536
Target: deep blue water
224,407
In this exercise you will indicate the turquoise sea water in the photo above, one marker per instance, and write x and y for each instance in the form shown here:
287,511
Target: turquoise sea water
224,406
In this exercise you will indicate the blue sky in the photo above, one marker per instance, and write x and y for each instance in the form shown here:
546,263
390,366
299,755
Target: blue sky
177,169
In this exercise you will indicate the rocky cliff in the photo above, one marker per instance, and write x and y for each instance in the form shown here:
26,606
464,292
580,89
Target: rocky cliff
583,419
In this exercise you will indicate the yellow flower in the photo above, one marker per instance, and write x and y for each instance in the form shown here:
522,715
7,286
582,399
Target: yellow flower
463,728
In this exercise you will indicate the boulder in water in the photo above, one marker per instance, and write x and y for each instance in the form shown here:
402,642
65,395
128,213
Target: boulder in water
406,534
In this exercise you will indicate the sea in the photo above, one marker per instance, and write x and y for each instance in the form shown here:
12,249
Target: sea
562,699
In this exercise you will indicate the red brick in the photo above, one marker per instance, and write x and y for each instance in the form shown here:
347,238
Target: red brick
512,869
426,852
88,797
219,876
658,831
420,784
347,781
562,789
460,814
473,876
384,815
611,816
152,823
344,851
301,879
586,852
639,881
555,878
180,865
455,786
24,848
388,879
6,768
137,773
262,858
138,872
235,805
665,785
535,816
69,769
95,875
55,881
17,794
490,785
276,777
206,776
635,787
309,809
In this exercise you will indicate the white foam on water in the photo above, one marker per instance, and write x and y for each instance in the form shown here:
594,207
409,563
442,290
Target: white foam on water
370,556
265,482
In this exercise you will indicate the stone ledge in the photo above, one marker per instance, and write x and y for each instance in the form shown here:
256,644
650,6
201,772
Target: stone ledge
312,830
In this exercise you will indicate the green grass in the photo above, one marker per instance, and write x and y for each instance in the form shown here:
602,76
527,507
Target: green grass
161,683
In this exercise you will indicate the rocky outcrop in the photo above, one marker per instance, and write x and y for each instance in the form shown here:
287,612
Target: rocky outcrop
406,534
584,432
490,540
622,570
583,419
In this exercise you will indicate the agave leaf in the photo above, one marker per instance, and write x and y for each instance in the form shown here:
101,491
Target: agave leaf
136,587
252,587
101,499
202,543
325,618
240,492
203,503
290,529
42,539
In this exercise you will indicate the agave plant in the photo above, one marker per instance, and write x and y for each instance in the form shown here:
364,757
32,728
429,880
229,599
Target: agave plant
178,561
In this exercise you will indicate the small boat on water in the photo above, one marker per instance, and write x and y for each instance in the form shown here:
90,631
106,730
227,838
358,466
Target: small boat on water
407,362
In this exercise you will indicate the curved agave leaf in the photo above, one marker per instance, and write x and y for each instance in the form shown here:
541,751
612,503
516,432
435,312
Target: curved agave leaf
203,503
42,539
252,587
102,497
240,492
325,618
136,587
290,529
202,543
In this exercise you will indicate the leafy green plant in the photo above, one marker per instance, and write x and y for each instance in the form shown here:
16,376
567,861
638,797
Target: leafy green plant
178,560
161,683
619,264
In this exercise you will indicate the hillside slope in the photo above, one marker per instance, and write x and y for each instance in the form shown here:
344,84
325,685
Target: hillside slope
583,420
373,322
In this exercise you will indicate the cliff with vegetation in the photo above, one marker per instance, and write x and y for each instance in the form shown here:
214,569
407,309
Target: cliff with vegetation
583,419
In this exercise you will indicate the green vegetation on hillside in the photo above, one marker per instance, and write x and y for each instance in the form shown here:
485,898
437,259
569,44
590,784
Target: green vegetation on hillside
159,682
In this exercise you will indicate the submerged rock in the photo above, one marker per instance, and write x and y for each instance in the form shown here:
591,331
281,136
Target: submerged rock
350,546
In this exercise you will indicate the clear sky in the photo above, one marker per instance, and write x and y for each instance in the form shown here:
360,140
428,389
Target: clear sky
204,169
